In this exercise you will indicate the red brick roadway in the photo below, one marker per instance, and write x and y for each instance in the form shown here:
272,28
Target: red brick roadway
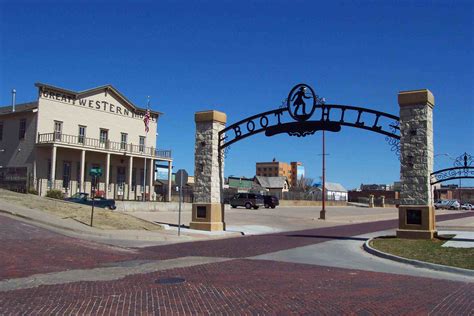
238,286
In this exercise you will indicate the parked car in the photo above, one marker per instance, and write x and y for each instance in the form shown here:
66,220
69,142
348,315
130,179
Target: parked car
270,201
448,204
249,200
454,205
441,204
467,206
83,198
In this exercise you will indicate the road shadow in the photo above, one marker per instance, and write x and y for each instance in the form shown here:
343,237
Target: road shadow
329,237
171,225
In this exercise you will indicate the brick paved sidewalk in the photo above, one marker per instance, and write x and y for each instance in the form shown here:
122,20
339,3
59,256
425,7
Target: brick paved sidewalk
254,245
26,250
248,287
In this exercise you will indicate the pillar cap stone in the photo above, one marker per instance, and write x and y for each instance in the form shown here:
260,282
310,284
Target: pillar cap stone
416,97
210,116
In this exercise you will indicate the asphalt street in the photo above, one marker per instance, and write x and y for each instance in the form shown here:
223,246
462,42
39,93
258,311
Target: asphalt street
317,270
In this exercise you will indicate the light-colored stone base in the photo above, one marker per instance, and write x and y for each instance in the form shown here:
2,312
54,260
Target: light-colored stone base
219,226
213,220
426,229
416,234
311,203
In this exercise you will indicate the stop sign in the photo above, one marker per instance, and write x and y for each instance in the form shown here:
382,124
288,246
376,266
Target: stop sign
181,177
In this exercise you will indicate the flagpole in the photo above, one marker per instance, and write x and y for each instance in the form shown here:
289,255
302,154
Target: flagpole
144,150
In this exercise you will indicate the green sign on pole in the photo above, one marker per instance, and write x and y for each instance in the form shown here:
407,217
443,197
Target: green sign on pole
95,172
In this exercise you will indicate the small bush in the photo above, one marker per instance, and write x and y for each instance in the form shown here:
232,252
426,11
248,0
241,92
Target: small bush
32,191
55,194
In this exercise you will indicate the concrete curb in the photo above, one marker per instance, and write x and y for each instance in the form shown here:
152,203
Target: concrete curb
416,263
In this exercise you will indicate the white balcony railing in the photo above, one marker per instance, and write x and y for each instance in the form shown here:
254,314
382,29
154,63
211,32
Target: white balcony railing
86,142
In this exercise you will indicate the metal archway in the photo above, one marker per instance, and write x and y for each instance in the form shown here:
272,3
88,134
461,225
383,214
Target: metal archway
462,169
294,119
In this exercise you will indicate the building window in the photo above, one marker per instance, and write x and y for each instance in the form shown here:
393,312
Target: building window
104,135
82,134
141,147
123,140
58,127
1,130
22,130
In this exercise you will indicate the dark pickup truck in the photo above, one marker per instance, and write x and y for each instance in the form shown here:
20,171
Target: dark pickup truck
83,198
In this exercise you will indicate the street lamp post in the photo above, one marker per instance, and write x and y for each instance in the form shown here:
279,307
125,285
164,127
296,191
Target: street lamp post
322,213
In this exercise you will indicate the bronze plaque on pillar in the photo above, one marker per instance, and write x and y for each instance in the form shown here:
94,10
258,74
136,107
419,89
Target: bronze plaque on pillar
413,217
201,212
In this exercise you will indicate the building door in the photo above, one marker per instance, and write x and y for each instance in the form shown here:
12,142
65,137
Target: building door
58,128
120,180
104,137
66,174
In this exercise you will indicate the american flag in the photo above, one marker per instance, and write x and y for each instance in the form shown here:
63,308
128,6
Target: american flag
146,120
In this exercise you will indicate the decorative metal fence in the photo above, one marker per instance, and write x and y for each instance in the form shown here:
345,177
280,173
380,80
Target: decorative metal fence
14,179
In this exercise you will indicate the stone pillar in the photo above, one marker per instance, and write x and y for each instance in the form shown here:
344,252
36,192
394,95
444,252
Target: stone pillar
371,201
416,213
382,201
208,207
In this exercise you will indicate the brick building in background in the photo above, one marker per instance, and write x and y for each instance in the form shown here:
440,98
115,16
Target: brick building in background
292,171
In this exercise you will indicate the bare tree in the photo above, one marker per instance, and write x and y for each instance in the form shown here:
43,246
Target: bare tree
303,184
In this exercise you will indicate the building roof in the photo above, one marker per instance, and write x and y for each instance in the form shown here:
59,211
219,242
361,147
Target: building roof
22,107
332,186
108,88
242,182
271,182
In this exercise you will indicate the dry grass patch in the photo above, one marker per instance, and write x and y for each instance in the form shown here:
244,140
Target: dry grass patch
103,219
427,250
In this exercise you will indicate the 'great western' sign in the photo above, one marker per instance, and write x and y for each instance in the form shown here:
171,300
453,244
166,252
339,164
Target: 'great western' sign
93,104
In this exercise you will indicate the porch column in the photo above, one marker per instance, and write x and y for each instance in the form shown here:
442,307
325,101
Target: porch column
130,173
169,180
83,171
107,174
144,181
34,174
150,176
53,166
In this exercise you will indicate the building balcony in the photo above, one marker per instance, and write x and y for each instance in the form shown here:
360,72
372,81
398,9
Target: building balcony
82,142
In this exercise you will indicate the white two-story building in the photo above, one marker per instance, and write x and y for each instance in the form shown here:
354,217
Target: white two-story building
58,138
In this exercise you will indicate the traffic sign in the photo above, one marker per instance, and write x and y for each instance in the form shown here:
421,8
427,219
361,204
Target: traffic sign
181,177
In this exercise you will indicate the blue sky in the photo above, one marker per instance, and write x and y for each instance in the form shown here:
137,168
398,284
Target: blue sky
243,57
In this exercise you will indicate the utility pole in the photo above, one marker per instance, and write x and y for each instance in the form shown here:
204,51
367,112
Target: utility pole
322,213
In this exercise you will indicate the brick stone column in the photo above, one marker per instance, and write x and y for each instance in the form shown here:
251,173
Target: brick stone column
416,214
371,201
208,207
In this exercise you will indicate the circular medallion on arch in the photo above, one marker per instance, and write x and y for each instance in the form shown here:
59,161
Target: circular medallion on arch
301,102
